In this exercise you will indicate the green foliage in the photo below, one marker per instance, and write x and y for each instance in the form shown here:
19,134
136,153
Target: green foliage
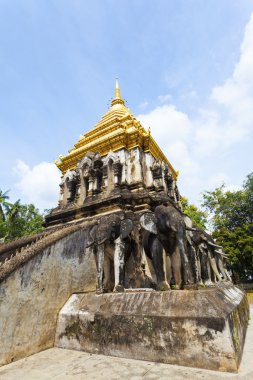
198,216
232,222
3,204
238,244
17,220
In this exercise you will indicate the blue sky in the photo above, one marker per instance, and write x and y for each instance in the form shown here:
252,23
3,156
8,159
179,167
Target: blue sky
185,68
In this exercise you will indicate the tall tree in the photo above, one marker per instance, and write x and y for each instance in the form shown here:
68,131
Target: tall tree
232,222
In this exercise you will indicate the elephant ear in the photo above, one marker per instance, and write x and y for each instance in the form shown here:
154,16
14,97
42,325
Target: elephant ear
91,238
147,222
126,226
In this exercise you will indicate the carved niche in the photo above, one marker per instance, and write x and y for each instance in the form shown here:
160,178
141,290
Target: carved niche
112,171
97,173
68,187
84,167
157,174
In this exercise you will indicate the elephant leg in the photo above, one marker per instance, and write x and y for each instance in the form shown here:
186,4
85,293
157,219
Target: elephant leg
184,263
199,267
222,269
205,268
99,256
214,267
194,264
228,275
176,268
119,264
106,282
168,269
159,265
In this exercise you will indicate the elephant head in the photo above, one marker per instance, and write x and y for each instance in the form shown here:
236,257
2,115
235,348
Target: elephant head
109,228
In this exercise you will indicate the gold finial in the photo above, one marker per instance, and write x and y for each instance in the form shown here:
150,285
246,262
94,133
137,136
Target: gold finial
117,90
117,95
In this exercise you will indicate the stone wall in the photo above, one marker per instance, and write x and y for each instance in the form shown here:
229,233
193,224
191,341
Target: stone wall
197,328
32,295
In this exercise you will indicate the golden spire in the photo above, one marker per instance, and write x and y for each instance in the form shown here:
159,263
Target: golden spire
117,129
117,95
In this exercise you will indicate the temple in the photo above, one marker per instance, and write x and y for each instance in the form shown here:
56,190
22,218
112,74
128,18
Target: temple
116,165
120,269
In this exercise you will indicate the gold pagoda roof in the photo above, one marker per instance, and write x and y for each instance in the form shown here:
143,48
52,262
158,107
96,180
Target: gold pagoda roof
117,129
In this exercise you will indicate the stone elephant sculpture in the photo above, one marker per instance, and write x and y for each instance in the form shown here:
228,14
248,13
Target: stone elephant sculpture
220,258
154,250
167,228
109,241
209,256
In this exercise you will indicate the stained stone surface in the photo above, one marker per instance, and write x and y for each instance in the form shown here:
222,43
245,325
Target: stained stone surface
32,295
204,328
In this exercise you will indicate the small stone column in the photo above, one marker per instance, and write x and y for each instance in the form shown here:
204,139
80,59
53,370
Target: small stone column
78,188
117,170
98,164
60,202
105,177
91,181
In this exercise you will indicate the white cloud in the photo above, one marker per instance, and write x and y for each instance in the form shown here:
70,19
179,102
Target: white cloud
172,130
224,122
167,123
38,184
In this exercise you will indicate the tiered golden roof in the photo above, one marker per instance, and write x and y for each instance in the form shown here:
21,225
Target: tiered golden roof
117,129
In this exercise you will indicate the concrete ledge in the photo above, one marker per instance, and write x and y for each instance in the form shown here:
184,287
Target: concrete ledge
199,328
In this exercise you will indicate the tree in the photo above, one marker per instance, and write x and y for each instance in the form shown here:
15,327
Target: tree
232,223
3,204
198,216
19,220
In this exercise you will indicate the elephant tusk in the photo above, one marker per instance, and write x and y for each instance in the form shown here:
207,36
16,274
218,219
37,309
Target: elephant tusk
221,253
214,245
191,229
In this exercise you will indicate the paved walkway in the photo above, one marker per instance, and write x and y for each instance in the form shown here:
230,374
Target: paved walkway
60,364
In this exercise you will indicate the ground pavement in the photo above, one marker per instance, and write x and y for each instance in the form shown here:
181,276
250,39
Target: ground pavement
60,364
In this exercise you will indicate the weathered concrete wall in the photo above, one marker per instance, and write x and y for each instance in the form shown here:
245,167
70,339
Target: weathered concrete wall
197,328
31,296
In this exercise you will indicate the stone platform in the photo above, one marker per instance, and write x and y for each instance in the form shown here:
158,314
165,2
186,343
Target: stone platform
198,328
